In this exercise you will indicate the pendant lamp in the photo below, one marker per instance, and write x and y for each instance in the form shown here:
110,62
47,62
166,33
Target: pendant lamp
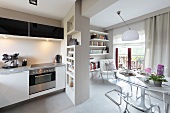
129,35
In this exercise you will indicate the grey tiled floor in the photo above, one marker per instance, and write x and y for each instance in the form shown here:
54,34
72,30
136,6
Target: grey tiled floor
60,103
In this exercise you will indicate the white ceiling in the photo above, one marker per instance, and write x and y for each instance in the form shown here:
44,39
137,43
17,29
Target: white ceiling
129,9
55,9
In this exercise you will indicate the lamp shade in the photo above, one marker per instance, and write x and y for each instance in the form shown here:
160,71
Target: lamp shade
130,35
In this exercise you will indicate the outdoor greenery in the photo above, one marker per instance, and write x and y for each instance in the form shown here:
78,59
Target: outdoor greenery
156,77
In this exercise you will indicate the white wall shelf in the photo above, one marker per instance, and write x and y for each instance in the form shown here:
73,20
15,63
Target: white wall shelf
97,46
98,32
72,32
71,69
69,63
70,52
99,40
71,58
99,54
70,74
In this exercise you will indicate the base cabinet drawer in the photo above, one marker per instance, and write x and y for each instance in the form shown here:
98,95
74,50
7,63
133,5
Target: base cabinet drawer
14,88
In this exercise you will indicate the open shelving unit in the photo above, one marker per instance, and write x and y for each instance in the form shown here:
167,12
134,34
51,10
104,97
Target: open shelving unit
98,48
98,43
70,72
74,74
77,79
99,54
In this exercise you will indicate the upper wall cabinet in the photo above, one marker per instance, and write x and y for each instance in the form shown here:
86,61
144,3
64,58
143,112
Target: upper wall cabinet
21,28
39,30
13,27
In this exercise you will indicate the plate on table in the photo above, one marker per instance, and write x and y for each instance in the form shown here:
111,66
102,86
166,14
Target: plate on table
127,73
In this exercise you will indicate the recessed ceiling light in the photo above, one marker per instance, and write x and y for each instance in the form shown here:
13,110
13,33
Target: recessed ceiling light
33,2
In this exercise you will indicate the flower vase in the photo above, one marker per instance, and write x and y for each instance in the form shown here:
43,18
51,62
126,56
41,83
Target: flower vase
157,83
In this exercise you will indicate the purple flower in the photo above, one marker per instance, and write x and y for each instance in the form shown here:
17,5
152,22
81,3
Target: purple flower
148,70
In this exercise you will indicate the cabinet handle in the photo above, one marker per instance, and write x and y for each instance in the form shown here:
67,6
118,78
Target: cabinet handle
42,75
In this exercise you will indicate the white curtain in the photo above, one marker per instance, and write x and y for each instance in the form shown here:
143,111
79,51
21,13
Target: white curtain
157,39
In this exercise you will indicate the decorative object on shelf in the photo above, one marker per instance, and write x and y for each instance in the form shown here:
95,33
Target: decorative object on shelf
93,36
129,35
157,79
105,37
71,83
104,50
107,49
101,37
73,41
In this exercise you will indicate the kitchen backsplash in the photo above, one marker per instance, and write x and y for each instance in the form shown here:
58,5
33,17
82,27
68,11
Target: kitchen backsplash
35,51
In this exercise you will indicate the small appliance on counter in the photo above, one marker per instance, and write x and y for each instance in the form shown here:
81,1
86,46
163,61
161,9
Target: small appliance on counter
58,58
11,61
24,62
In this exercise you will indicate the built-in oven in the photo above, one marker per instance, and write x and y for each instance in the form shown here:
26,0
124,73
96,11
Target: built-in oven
41,80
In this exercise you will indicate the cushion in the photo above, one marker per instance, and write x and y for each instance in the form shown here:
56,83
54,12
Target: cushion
103,63
110,66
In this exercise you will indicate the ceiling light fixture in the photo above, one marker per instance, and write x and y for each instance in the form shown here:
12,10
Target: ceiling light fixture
129,35
33,2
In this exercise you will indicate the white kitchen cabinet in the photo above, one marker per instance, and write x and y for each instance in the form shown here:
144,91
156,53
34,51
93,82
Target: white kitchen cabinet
14,88
60,77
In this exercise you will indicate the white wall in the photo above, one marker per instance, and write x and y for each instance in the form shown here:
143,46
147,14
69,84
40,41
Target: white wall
35,51
16,15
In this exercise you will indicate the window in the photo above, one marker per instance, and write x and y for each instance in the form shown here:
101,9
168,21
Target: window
137,58
129,54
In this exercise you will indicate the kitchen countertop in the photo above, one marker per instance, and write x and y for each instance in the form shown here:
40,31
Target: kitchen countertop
27,68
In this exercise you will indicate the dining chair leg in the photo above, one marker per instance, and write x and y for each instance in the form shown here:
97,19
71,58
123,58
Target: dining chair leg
131,93
166,105
102,77
126,108
113,75
137,93
114,90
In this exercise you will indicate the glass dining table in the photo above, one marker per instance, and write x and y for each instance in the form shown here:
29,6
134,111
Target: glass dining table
139,81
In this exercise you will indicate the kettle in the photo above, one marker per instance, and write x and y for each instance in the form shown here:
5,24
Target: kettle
58,58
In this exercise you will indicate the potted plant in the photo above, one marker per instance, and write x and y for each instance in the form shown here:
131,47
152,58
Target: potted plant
157,79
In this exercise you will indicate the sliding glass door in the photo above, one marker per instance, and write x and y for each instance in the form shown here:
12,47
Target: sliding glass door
130,57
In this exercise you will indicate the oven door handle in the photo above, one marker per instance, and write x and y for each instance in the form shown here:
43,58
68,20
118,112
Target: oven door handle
43,75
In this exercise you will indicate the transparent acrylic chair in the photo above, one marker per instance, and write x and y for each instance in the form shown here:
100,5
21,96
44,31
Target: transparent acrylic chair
120,85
